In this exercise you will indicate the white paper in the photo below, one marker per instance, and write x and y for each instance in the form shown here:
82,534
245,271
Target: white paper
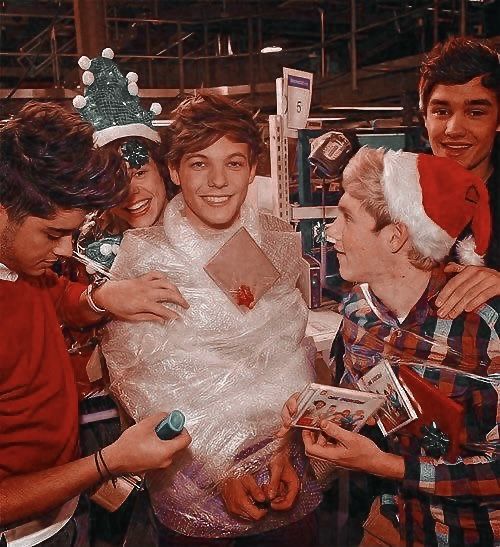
297,91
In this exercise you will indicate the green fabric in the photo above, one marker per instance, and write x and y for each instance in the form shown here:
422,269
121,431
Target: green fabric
109,102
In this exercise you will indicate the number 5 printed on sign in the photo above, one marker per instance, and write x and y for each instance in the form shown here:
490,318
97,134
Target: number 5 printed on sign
297,91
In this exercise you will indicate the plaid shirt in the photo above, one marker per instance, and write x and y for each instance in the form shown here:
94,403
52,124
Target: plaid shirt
440,503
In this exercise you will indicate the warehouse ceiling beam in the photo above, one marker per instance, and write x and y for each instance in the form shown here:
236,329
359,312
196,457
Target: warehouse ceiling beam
90,26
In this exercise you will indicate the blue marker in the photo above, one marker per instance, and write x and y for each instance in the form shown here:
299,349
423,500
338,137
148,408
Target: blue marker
171,425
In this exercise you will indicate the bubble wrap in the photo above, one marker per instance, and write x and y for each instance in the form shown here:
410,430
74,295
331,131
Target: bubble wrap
230,372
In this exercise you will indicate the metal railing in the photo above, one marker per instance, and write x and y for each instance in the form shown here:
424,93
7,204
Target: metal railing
47,49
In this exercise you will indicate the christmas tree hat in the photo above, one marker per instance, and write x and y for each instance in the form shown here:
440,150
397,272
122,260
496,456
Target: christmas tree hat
111,104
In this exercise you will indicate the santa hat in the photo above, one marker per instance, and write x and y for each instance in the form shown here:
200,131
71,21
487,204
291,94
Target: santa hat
436,198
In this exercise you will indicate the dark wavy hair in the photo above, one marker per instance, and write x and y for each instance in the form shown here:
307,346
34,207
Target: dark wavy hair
456,62
202,119
48,162
157,152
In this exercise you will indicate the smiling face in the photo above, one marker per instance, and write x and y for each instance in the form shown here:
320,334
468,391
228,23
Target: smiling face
214,183
462,121
32,245
146,199
361,251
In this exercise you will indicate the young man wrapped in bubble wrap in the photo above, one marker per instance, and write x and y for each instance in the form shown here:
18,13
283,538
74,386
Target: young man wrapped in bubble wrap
228,369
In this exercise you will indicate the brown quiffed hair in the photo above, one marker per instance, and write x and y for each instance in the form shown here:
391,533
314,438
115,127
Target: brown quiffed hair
203,119
48,162
456,62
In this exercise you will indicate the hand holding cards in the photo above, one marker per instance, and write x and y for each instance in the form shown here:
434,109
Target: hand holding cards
397,410
348,408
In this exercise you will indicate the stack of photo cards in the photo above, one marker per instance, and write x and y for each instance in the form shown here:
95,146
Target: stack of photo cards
397,410
347,408
242,270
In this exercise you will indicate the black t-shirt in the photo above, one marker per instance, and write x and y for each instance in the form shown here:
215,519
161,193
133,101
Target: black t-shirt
492,258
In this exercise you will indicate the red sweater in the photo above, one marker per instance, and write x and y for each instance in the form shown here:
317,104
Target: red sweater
38,399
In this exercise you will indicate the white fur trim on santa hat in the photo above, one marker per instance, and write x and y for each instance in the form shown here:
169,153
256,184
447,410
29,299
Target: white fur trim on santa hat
467,254
403,195
109,134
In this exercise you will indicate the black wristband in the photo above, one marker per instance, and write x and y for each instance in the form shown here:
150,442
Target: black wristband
96,460
110,475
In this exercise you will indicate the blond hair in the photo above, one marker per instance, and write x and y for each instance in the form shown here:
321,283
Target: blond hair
362,179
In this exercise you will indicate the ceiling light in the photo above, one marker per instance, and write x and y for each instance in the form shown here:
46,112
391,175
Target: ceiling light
366,108
271,49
